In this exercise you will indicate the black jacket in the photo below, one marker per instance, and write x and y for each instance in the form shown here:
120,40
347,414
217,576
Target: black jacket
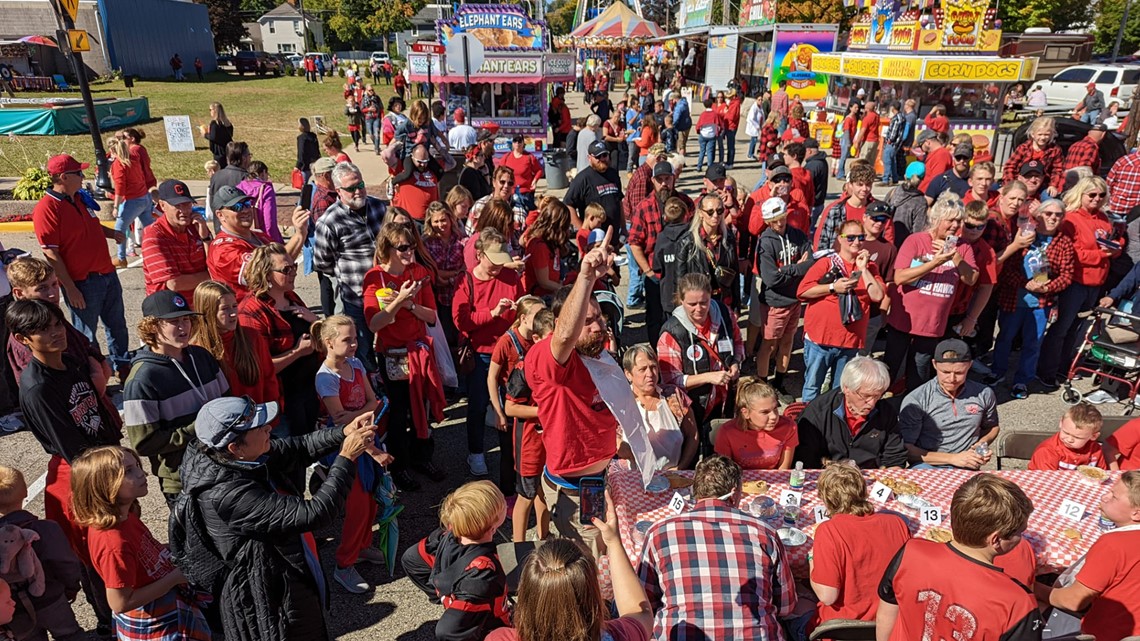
665,261
824,433
308,152
693,259
256,519
778,259
816,164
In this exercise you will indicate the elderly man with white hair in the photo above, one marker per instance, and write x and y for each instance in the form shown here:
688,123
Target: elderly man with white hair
852,421
587,136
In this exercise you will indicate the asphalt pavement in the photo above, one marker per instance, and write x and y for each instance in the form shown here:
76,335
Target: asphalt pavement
395,608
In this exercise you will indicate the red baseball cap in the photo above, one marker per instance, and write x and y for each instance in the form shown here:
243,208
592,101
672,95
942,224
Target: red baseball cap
63,164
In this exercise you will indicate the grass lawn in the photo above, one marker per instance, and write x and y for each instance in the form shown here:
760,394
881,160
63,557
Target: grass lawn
264,112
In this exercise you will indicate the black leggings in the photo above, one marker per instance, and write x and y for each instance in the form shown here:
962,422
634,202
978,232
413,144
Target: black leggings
403,445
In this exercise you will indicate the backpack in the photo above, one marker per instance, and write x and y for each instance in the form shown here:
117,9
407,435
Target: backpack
191,547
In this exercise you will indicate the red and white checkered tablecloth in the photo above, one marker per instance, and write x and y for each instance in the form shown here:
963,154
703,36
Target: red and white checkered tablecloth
1046,489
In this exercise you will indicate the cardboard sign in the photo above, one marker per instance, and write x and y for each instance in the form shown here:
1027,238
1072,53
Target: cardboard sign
179,133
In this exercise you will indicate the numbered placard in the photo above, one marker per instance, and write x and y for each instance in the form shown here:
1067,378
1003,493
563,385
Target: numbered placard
1072,510
677,503
791,497
820,514
880,493
930,515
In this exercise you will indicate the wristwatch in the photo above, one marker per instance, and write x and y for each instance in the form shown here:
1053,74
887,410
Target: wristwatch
412,307
831,288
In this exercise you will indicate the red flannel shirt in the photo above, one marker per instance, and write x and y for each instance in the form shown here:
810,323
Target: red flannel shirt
1084,153
1012,278
1050,160
1124,184
672,361
646,223
65,225
745,585
259,314
999,231
769,140
799,124
639,188
169,254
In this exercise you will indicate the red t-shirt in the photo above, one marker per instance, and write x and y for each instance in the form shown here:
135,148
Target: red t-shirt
128,556
74,233
987,275
1052,454
582,236
228,256
1020,563
851,553
1125,439
757,449
943,594
578,429
1112,568
923,307
407,327
530,454
540,257
266,388
937,163
168,254
506,355
937,124
802,180
526,167
471,310
822,323
871,126
416,193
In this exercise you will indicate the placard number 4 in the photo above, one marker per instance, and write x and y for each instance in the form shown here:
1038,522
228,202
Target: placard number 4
880,493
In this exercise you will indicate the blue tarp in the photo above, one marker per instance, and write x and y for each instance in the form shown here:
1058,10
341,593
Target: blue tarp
72,119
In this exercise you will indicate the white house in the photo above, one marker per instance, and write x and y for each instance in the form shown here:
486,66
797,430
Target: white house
282,30
423,25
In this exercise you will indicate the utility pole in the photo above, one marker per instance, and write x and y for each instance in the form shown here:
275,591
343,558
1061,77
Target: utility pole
66,22
1120,31
304,28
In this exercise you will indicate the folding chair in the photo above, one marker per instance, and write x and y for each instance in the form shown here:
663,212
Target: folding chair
1018,445
61,83
845,630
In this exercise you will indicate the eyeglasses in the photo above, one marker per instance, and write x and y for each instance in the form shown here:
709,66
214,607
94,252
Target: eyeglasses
360,186
1096,194
718,211
1049,212
288,270
974,227
403,249
881,219
852,238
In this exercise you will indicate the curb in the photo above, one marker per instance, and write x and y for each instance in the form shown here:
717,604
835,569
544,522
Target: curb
25,226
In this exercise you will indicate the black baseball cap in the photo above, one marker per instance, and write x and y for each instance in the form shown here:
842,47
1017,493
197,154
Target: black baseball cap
952,350
964,150
780,171
175,192
228,196
716,171
166,305
598,148
662,169
1031,167
879,208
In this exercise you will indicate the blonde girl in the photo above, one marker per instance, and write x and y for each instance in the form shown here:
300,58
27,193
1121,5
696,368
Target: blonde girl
146,592
758,438
242,352
132,180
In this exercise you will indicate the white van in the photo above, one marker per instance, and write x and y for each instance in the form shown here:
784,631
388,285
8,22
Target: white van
323,56
380,57
1070,85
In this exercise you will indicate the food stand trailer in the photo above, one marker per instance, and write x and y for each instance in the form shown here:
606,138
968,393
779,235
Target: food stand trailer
508,92
947,57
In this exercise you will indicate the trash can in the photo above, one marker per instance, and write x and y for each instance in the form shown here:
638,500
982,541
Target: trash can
557,163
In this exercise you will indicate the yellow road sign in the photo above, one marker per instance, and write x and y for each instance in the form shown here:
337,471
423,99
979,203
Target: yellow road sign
79,40
71,7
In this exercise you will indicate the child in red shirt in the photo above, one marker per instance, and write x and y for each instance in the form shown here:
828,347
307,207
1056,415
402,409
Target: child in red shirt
508,351
529,453
758,438
1075,442
852,549
144,588
939,590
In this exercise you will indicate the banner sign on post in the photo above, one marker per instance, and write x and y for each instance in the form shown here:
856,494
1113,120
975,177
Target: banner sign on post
179,134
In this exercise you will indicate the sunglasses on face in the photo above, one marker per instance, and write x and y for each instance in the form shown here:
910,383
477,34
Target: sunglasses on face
237,208
882,218
974,227
717,212
963,158
288,270
360,186
852,238
1095,194
503,183
403,249
1056,214
782,179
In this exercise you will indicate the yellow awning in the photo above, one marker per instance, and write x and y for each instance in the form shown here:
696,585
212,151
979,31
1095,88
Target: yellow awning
926,68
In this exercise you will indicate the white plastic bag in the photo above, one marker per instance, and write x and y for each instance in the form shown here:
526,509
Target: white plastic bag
442,354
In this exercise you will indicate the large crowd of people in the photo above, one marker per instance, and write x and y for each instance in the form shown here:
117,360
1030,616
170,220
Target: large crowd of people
505,296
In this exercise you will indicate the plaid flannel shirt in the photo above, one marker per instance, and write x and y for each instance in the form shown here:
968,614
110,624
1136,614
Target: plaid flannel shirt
894,133
345,242
769,139
1083,153
639,188
647,222
1011,281
447,257
1050,159
1124,184
999,232
716,573
259,314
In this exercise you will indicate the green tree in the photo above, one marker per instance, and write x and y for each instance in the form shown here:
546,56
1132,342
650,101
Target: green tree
226,23
1110,13
1058,15
358,21
256,7
560,16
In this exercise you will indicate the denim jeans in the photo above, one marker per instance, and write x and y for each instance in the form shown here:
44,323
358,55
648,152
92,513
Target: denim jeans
818,361
1059,344
103,295
752,142
130,210
730,143
889,163
763,176
1091,117
1030,323
708,147
720,146
478,399
636,294
364,338
844,154
373,127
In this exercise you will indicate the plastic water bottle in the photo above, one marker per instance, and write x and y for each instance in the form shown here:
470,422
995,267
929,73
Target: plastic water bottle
791,513
1106,524
797,479
982,449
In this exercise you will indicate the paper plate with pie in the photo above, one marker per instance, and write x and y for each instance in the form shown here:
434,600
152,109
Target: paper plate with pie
678,481
755,487
902,486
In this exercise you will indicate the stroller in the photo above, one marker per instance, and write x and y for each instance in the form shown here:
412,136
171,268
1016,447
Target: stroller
1110,352
614,312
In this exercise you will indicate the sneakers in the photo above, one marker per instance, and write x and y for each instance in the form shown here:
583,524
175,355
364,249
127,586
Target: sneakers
13,422
1100,397
371,555
430,470
1019,391
350,580
477,464
620,260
